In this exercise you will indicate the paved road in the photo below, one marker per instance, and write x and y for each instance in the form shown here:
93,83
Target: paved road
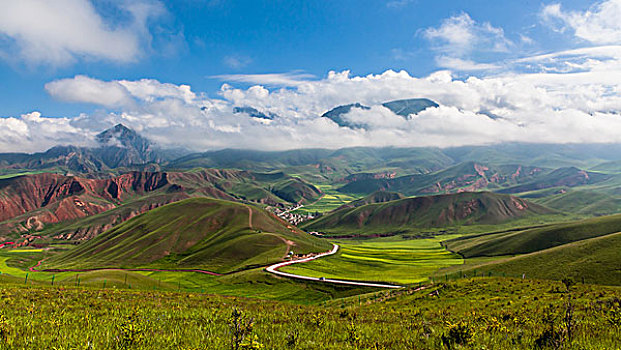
274,269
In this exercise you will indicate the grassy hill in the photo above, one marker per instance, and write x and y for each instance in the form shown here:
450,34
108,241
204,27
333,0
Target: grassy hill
217,235
54,202
583,202
473,176
594,260
432,211
532,240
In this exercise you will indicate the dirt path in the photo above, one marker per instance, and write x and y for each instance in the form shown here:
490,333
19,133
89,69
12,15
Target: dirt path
286,241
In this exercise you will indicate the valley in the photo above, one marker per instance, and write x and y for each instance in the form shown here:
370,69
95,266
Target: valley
352,230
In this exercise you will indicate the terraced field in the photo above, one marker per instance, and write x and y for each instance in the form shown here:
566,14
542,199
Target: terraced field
390,259
330,200
254,283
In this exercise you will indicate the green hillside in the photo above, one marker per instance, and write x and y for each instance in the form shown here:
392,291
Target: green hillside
583,202
432,211
375,197
217,235
528,241
594,260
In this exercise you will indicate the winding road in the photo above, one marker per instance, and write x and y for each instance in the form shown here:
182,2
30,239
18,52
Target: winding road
274,269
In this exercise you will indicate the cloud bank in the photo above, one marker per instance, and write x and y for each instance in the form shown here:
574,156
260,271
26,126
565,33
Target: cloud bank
61,31
573,107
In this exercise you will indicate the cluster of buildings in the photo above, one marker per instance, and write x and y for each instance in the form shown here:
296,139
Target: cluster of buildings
288,215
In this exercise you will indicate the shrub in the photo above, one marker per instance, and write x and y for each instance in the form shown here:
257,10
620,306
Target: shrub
460,333
241,326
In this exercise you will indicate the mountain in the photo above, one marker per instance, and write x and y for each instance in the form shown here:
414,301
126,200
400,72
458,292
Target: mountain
473,176
254,113
322,164
217,235
426,212
116,147
407,107
31,202
404,108
121,146
562,177
336,115
582,156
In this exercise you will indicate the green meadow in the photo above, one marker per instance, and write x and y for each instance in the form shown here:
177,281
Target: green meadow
389,259
330,200
480,313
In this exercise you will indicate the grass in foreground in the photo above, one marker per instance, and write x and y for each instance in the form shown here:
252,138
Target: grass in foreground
391,259
468,314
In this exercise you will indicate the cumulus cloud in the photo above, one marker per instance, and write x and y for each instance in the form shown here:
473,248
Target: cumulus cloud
553,107
294,78
119,93
59,32
31,132
459,37
598,25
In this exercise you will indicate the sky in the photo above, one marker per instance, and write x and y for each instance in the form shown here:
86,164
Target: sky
501,71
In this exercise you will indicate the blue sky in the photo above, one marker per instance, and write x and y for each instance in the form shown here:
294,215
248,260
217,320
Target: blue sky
97,62
198,39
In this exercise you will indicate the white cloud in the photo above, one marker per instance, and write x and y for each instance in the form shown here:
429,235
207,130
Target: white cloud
236,61
599,24
31,132
460,35
464,65
59,32
274,79
87,90
120,93
552,107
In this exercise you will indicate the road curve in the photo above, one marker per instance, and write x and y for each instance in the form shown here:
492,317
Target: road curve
274,269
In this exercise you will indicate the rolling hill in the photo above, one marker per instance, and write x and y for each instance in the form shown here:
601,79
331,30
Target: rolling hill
465,208
217,235
472,176
536,239
31,202
595,260
322,164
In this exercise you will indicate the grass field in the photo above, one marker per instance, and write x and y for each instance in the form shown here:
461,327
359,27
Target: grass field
505,314
527,241
594,260
12,175
330,200
391,259
254,283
